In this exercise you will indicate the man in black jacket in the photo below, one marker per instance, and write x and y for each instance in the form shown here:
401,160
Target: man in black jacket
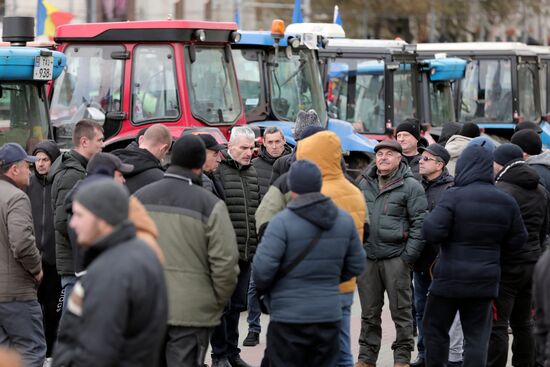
242,196
531,144
40,195
435,180
273,147
66,171
513,305
117,312
473,221
146,156
211,164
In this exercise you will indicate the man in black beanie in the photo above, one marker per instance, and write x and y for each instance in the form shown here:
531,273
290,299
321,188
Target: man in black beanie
530,142
305,309
102,325
197,237
513,304
407,135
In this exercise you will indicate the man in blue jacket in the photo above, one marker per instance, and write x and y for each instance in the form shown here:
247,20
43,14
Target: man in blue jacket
305,305
473,221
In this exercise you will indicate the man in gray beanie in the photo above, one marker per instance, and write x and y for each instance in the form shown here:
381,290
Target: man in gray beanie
102,326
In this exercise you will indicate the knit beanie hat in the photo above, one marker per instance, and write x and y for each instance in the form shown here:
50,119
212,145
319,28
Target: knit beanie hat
189,152
449,129
303,120
506,153
470,130
105,199
410,126
528,125
304,176
528,140
485,142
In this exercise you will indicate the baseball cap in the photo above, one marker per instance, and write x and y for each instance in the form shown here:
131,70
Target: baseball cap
438,151
388,144
13,152
109,162
210,142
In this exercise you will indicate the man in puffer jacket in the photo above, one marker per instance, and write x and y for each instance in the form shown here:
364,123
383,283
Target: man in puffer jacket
396,204
305,304
474,222
513,305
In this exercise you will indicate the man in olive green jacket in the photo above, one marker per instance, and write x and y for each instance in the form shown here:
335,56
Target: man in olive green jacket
198,240
396,205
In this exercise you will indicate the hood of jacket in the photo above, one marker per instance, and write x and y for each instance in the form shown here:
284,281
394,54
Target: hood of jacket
49,147
316,208
519,173
474,164
455,145
403,171
542,159
141,159
325,150
269,158
70,159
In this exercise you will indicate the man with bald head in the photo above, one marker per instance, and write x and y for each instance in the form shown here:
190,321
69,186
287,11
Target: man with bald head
146,156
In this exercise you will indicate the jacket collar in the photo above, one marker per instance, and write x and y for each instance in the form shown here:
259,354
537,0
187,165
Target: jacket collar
8,180
121,233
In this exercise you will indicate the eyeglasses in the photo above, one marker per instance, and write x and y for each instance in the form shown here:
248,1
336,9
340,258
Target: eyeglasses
426,158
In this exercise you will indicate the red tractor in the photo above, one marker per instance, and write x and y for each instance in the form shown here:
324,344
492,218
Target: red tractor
131,75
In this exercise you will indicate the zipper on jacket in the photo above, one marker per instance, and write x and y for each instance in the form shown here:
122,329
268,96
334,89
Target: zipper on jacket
245,191
43,215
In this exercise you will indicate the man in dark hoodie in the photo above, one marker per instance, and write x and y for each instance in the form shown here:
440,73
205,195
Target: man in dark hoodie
211,164
273,147
40,195
146,156
305,304
66,171
513,305
473,222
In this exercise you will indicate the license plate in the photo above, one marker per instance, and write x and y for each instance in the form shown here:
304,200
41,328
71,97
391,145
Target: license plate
43,68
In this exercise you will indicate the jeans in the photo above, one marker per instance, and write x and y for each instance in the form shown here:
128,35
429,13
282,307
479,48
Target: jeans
421,284
21,328
225,338
475,316
186,346
298,345
67,284
346,358
513,306
254,311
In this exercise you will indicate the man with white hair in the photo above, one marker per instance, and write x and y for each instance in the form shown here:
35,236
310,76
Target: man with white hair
242,197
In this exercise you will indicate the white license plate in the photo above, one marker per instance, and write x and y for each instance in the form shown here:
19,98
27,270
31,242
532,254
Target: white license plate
43,68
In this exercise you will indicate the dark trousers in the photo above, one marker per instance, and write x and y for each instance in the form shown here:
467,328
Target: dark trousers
302,345
513,306
225,338
476,317
49,294
186,346
421,285
394,277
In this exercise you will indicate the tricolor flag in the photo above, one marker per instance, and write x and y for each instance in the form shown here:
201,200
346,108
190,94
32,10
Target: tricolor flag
337,17
48,17
297,13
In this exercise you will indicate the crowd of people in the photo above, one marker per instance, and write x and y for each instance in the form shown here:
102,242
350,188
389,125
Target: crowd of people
114,259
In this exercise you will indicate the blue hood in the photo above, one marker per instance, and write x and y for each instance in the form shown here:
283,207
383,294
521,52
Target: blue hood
474,164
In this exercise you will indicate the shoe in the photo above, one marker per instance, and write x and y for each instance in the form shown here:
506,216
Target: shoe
364,364
401,364
252,339
221,362
418,362
236,361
